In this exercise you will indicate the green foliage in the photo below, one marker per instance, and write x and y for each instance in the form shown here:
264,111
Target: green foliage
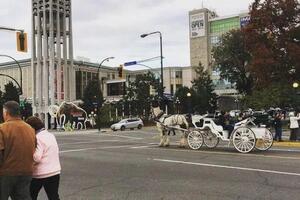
90,96
204,99
11,93
276,95
181,94
139,92
272,38
93,99
231,59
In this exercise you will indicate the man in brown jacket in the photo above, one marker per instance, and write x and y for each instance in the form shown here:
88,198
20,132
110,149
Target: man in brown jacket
17,146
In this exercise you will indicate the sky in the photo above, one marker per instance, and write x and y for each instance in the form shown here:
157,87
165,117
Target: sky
104,28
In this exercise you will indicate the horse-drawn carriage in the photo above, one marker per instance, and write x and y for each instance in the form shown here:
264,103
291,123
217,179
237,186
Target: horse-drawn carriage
245,136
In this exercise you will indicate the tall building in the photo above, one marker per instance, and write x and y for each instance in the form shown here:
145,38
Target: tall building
52,54
206,29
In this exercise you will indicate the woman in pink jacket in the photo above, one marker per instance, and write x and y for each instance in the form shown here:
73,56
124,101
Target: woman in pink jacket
47,166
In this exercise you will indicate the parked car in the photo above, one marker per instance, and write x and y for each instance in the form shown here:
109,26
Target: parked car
130,123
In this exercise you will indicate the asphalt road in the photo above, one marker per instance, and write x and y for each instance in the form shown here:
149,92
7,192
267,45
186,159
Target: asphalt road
129,165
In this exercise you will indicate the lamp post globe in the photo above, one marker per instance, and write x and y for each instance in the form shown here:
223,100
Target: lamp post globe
295,85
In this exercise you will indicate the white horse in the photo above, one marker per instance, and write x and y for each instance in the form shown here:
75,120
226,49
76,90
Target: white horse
163,122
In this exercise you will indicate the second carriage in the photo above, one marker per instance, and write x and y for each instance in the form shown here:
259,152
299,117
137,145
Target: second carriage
245,137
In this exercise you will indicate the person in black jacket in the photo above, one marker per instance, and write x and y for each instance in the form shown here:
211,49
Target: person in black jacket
223,120
278,127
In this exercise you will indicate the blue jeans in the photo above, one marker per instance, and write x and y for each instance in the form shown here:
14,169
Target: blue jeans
278,133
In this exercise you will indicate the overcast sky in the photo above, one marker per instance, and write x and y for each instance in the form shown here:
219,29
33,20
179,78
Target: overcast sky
104,28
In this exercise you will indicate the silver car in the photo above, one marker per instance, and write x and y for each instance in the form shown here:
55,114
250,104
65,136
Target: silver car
130,123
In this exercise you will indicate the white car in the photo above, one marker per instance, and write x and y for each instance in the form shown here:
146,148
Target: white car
130,123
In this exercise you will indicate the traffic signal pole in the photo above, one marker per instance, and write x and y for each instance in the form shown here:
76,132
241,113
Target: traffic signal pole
10,29
98,94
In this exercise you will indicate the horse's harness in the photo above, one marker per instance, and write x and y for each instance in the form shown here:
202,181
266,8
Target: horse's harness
157,119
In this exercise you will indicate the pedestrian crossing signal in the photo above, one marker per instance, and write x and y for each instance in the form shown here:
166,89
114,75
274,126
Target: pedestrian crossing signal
21,41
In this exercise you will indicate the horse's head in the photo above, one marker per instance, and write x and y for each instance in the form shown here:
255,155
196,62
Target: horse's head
53,110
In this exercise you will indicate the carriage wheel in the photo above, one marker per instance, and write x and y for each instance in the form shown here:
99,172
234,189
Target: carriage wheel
195,140
266,142
210,140
243,139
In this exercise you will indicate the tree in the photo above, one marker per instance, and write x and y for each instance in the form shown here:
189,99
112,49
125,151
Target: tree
276,95
26,109
181,94
10,93
273,40
204,99
90,96
139,92
231,59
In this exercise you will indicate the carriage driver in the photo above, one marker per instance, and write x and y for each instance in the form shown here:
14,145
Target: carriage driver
224,122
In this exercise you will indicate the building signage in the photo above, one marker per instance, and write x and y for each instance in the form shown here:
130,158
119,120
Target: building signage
244,21
197,25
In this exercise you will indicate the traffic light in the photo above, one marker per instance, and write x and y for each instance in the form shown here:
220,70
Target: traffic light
21,41
120,71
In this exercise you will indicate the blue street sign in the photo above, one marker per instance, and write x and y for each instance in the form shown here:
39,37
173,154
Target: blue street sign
130,63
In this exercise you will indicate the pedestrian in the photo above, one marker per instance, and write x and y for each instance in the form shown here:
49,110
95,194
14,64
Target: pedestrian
294,126
17,146
278,127
298,130
223,120
47,167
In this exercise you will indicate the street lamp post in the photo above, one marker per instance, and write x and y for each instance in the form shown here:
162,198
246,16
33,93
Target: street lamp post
20,69
237,103
189,95
161,60
98,93
177,102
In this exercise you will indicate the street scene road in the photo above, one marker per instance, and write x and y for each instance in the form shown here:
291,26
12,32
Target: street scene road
130,165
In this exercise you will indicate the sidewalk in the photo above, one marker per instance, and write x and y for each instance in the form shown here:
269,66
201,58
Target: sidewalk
286,144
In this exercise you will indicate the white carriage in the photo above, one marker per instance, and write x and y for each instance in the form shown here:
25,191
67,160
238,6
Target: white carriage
245,137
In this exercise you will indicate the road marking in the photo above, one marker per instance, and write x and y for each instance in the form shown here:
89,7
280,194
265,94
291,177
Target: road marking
228,167
96,148
285,150
123,136
140,147
225,153
91,142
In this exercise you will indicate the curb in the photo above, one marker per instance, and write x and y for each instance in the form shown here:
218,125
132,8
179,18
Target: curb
286,144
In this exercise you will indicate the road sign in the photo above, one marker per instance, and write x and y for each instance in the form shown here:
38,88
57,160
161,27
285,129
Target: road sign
130,63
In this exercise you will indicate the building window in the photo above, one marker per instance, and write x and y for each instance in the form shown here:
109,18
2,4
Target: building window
115,89
172,89
78,85
178,86
178,74
89,76
113,76
94,76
